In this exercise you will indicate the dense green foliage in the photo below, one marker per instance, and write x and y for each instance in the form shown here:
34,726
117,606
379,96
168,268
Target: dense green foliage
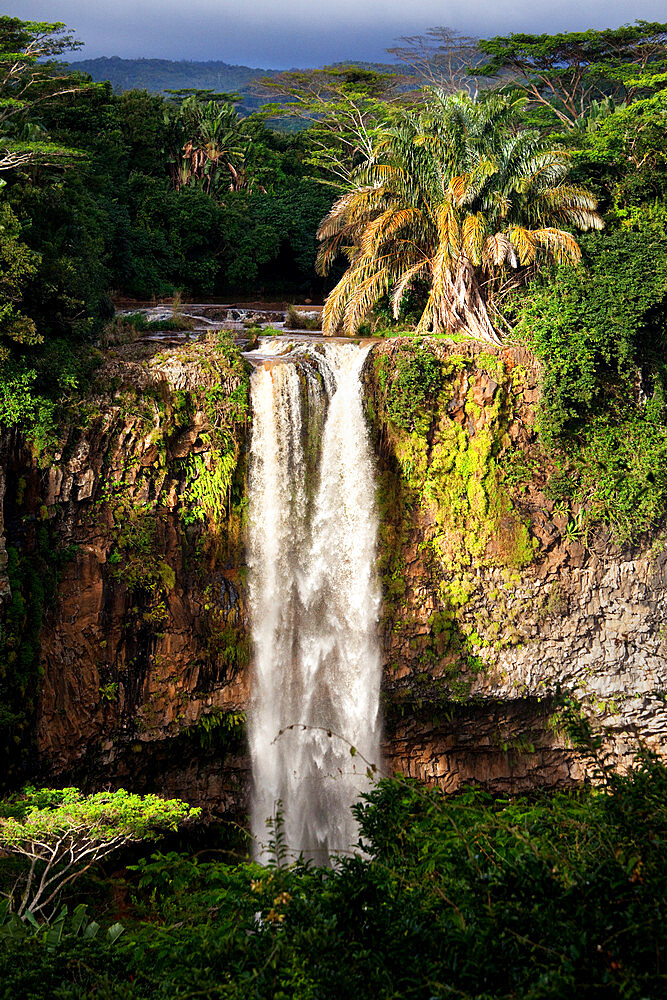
603,321
414,388
569,74
134,213
554,897
121,210
601,332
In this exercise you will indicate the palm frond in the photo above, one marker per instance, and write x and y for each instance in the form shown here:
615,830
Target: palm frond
404,283
498,250
559,245
523,241
472,237
454,190
382,228
366,293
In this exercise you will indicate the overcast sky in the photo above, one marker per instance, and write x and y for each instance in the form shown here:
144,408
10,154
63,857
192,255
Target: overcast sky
284,33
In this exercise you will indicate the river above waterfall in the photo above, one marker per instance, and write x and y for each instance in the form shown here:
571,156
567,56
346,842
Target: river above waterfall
314,597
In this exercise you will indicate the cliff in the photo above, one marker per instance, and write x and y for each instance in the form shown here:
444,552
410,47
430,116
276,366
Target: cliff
143,651
506,632
511,634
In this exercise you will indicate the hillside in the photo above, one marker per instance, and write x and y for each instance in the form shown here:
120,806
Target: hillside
160,75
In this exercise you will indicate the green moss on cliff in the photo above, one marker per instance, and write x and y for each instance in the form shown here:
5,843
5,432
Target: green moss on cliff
446,447
136,560
210,477
443,449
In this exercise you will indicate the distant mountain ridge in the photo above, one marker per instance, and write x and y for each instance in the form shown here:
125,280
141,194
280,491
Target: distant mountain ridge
160,75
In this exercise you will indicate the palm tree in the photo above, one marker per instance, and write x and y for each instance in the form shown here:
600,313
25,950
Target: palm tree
454,195
215,140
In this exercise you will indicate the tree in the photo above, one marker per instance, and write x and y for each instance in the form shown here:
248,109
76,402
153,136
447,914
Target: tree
62,833
147,128
568,72
602,325
18,263
628,143
214,139
344,107
442,58
454,195
29,78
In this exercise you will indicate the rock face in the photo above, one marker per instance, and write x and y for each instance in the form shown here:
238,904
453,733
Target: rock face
505,745
144,647
506,632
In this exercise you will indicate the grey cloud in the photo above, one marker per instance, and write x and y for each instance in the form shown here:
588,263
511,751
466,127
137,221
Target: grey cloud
306,33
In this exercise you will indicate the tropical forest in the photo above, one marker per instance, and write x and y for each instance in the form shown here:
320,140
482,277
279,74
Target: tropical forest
333,520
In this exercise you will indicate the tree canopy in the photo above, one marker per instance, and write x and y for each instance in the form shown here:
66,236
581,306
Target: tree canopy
567,72
213,152
442,58
343,105
63,832
30,76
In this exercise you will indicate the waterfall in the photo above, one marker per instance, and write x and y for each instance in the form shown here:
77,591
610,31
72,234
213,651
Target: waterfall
314,597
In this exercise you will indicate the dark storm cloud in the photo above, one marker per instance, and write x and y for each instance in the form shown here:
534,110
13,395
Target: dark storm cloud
299,33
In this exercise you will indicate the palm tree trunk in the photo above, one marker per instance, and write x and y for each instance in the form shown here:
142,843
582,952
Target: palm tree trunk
463,307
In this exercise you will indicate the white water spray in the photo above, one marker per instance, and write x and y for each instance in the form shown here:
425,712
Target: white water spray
314,598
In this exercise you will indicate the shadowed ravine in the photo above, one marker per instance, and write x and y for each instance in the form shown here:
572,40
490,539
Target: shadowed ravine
314,597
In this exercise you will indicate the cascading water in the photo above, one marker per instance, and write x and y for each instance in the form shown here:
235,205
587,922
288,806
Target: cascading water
314,597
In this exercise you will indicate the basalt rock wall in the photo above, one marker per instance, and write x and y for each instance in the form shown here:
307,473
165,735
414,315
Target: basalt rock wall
143,649
516,642
506,632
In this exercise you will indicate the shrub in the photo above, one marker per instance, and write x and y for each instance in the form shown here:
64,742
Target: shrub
559,896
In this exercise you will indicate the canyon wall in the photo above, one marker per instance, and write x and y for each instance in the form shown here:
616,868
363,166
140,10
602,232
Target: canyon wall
514,639
510,638
143,651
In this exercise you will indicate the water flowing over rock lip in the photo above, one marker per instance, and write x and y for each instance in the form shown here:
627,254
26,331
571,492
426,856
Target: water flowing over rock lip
314,599
259,357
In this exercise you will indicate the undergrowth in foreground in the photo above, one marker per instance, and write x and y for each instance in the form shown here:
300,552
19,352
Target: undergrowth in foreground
559,896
